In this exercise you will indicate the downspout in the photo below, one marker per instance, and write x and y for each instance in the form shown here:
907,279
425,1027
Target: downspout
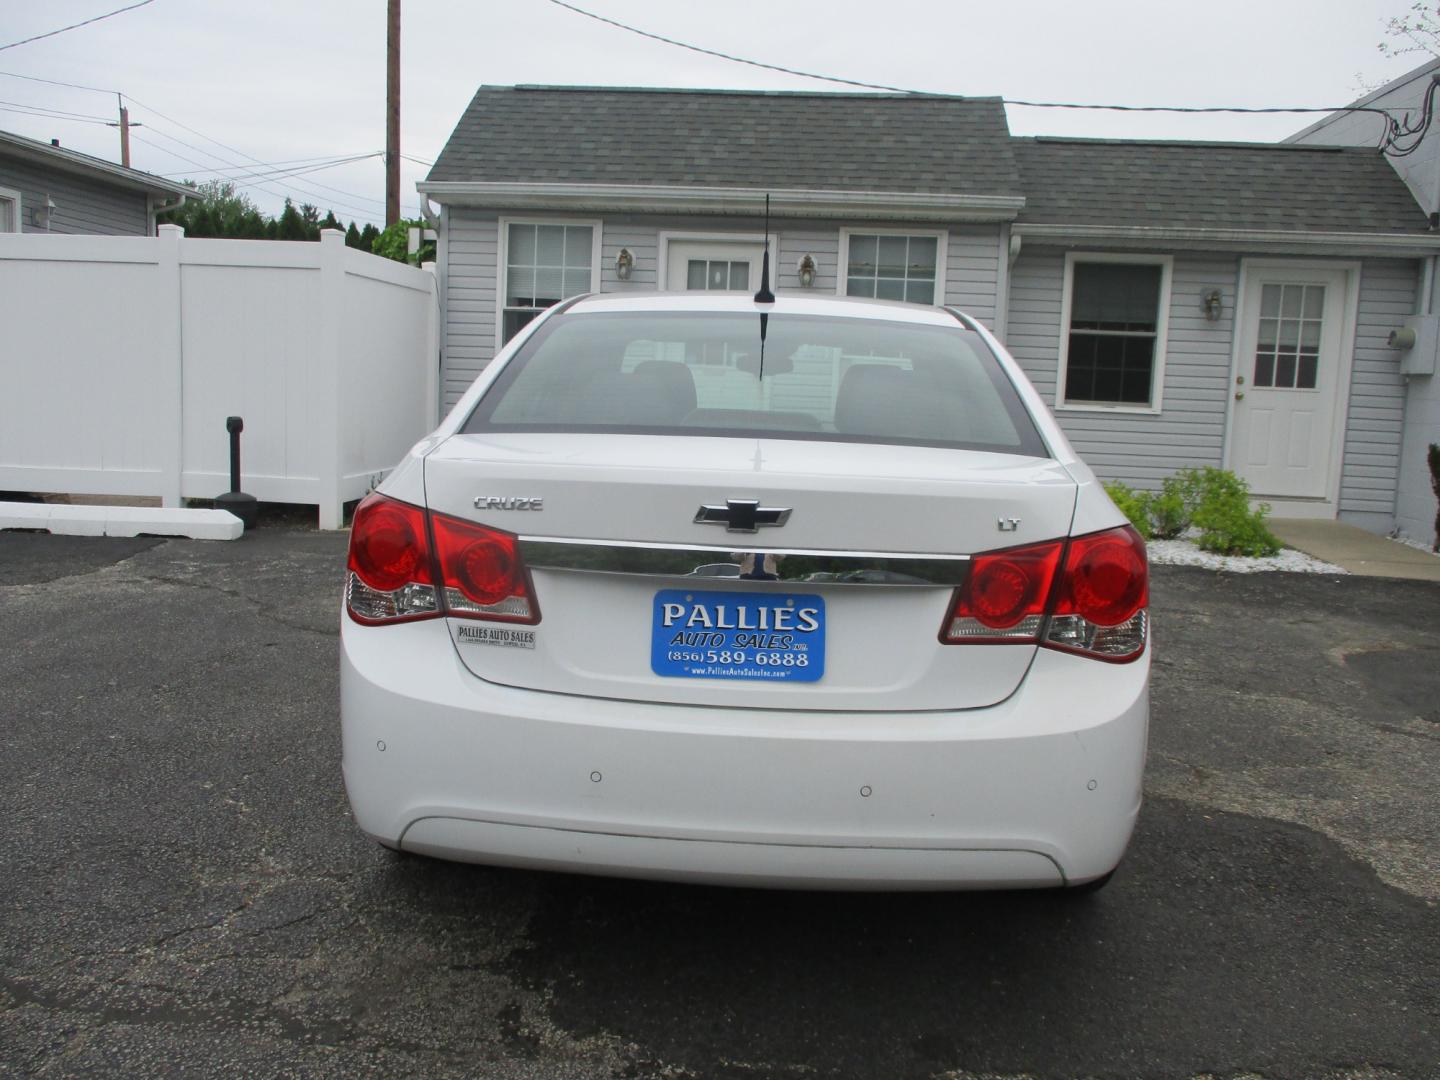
163,206
1003,262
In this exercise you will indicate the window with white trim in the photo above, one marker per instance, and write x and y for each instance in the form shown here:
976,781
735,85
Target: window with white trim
1114,344
544,264
9,210
890,266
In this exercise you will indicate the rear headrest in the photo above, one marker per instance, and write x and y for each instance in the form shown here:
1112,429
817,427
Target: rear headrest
881,399
672,380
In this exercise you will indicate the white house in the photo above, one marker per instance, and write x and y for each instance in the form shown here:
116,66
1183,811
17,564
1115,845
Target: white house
1176,303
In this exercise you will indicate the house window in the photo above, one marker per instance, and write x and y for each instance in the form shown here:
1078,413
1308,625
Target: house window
543,265
1114,345
9,210
894,266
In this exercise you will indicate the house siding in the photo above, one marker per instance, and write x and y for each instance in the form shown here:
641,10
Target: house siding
1376,414
471,253
1138,448
468,341
82,206
1143,448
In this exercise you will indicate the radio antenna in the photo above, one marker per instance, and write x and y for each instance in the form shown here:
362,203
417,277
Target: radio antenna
764,295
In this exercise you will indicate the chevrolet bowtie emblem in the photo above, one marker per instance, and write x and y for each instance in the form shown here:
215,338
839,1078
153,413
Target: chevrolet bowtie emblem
742,515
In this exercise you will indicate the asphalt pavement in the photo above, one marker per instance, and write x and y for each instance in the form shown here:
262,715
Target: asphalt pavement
182,892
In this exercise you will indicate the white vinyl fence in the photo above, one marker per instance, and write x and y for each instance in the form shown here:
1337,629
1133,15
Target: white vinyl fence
121,357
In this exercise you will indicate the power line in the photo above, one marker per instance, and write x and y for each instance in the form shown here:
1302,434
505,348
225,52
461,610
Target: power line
276,174
242,153
60,113
290,161
52,116
76,26
1391,142
418,161
304,195
727,56
57,82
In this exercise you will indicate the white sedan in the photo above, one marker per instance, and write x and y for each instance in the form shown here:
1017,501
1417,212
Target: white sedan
811,593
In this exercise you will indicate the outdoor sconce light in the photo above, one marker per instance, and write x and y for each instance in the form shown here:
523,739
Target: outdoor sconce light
1210,304
806,269
43,212
624,263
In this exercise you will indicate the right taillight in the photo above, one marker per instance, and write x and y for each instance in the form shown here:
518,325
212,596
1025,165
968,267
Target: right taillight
1101,597
482,571
1086,596
405,564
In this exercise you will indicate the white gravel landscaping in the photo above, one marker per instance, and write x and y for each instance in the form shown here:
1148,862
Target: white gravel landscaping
1416,544
1185,553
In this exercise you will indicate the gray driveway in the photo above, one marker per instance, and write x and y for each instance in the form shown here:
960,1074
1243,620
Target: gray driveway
182,892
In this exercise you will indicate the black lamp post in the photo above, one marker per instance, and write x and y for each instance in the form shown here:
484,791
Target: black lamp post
245,507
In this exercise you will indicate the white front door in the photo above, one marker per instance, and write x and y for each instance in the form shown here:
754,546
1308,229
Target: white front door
712,266
1288,381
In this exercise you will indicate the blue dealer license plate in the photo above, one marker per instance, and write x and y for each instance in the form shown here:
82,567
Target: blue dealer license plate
770,637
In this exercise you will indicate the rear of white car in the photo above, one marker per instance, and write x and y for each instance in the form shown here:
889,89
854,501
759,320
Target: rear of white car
818,599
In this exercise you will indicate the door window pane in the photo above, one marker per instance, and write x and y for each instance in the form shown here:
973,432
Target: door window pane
1287,349
717,275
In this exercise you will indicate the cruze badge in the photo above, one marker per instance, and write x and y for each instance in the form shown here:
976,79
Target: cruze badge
742,515
508,502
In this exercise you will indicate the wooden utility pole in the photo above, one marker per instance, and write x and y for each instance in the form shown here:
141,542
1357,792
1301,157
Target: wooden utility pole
392,116
124,125
124,136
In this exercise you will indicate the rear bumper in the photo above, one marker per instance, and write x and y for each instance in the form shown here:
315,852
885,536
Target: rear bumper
1041,789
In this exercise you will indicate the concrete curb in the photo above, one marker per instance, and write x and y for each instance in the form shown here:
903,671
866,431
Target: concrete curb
121,521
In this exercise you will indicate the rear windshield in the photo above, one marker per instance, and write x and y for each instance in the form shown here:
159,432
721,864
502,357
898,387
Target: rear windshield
703,373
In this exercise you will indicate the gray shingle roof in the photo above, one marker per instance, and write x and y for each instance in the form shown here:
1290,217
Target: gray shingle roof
1213,186
708,138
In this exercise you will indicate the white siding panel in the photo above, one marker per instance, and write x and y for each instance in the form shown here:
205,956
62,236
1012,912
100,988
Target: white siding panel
972,270
470,283
1377,390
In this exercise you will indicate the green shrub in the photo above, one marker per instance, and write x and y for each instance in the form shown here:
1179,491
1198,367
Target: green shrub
1135,505
1214,501
1169,511
1222,514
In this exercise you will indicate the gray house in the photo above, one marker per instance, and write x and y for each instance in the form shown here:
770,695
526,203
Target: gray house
1176,303
47,188
1415,501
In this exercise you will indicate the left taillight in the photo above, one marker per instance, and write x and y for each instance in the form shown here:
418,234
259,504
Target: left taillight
391,578
405,564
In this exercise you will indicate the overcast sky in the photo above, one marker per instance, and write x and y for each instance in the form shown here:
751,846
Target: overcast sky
277,81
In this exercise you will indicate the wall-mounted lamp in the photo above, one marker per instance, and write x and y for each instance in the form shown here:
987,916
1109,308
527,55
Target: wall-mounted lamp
1211,304
805,268
1403,338
43,212
624,263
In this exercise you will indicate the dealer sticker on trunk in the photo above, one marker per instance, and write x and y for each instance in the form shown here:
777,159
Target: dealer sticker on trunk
706,634
513,637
